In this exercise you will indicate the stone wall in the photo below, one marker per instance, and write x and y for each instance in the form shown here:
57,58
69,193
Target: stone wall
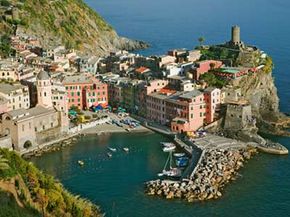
85,126
5,142
238,117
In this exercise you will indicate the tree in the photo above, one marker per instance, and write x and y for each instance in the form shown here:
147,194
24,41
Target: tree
212,66
201,40
3,163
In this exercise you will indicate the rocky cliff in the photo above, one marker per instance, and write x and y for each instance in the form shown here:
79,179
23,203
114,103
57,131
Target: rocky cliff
260,90
69,22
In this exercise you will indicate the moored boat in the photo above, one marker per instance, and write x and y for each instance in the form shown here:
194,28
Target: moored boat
112,149
126,149
179,154
182,161
169,148
81,163
109,154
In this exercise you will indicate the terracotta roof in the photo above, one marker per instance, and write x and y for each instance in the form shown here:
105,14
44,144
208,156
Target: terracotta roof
142,69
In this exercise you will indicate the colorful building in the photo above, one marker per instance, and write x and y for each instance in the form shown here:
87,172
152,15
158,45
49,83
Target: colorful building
204,66
84,91
213,100
185,111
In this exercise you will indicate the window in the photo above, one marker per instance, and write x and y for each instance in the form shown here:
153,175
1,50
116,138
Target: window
191,115
35,129
22,127
44,93
29,125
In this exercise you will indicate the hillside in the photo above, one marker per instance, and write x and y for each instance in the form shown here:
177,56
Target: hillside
69,22
26,191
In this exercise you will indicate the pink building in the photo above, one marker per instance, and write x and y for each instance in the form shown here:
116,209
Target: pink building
156,105
213,100
204,66
186,111
85,91
144,90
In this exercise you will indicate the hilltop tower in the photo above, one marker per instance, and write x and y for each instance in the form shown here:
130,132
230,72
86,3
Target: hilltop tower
236,35
44,93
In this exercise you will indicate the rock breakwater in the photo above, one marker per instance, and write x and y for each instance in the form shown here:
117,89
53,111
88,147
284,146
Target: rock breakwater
214,171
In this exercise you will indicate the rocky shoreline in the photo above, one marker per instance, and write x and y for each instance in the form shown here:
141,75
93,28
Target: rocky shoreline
217,168
57,146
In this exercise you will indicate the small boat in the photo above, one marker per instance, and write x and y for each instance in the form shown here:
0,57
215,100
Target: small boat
112,149
169,147
179,154
109,154
81,163
126,149
172,171
182,161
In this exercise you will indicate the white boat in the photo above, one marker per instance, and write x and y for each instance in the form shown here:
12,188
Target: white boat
112,149
109,154
169,148
172,171
126,149
166,144
81,163
179,154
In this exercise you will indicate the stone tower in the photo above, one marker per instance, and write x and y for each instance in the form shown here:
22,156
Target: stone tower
236,35
44,94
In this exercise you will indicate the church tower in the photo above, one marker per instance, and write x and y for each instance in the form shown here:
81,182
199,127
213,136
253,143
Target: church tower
44,94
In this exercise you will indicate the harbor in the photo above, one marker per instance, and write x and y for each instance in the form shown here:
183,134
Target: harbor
205,177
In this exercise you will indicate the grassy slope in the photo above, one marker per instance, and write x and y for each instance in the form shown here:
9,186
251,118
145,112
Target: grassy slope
70,22
37,190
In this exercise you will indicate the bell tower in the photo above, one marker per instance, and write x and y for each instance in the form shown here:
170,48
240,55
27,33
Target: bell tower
44,94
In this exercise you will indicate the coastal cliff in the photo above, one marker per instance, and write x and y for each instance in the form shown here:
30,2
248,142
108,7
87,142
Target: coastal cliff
68,22
260,90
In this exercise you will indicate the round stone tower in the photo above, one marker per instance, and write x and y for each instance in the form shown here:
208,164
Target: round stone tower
236,37
44,94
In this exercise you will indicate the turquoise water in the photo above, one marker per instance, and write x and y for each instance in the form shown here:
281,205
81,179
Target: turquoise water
117,183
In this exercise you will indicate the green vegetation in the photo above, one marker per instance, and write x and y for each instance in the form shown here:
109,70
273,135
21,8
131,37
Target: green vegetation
71,21
268,65
5,3
213,80
40,192
3,163
201,40
5,47
10,208
219,53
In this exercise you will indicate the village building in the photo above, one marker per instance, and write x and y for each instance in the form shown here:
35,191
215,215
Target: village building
16,94
8,69
42,123
185,111
212,97
84,91
202,67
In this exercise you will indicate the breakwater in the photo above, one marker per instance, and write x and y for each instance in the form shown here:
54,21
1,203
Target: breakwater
216,168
